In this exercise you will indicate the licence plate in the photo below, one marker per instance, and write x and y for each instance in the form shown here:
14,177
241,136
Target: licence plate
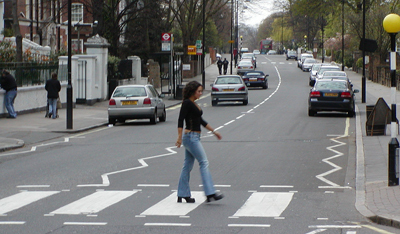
228,90
330,94
124,103
253,79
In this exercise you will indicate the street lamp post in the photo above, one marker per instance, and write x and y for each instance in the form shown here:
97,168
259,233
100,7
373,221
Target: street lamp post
391,24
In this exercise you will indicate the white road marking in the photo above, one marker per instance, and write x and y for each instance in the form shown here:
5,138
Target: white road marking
153,185
335,226
276,186
12,222
337,155
262,204
169,206
249,225
94,203
229,122
85,223
22,199
33,186
106,181
169,224
316,231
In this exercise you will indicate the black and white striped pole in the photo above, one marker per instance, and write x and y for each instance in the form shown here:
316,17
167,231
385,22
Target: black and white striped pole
391,24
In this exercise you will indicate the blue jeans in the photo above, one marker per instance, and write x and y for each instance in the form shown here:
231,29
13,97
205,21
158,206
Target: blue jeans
9,98
194,150
52,107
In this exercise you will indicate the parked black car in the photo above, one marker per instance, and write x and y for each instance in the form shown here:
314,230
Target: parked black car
331,95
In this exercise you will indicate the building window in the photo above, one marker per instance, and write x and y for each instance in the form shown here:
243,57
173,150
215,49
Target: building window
77,13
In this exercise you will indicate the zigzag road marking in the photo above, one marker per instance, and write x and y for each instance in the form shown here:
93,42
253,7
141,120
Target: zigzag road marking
337,155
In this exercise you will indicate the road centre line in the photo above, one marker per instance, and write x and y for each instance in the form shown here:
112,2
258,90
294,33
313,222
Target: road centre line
229,122
142,161
105,179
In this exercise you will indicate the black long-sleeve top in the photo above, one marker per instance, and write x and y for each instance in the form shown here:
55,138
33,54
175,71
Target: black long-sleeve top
192,116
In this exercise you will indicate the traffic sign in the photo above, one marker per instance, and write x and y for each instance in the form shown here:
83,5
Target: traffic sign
166,37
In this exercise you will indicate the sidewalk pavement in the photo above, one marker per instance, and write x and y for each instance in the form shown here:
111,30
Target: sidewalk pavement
374,199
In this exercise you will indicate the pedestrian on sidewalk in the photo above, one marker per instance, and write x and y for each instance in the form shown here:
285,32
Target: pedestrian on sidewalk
53,87
219,64
8,83
191,113
225,62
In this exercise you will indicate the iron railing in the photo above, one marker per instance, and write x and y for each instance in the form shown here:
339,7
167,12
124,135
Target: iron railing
30,74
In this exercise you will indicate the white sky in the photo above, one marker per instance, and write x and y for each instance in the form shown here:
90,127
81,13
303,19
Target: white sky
257,10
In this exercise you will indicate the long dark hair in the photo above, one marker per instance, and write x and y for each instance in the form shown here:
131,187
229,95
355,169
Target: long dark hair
190,89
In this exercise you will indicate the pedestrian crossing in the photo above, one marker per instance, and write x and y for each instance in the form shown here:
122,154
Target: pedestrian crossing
256,205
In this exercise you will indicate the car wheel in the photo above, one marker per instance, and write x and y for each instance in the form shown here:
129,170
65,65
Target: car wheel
163,117
265,86
121,120
311,112
214,102
153,119
351,114
111,120
245,102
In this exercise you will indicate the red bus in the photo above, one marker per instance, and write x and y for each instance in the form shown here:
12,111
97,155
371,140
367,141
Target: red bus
265,45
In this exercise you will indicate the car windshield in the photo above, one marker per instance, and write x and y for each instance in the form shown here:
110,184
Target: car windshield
228,80
323,69
291,52
245,63
315,67
330,85
335,77
333,73
247,56
254,74
310,60
130,92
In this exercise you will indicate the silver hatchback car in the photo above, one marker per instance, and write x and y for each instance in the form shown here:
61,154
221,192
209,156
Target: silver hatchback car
136,102
229,88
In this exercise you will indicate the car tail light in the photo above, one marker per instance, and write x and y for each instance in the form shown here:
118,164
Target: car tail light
346,95
260,79
245,79
146,101
239,67
251,67
112,102
243,88
315,94
215,89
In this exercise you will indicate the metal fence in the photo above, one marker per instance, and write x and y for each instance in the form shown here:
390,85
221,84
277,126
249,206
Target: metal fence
30,74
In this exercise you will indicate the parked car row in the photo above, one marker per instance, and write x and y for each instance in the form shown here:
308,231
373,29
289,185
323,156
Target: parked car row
331,90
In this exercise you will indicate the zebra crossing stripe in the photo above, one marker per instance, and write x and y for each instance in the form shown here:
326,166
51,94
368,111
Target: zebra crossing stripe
265,204
22,199
94,203
170,207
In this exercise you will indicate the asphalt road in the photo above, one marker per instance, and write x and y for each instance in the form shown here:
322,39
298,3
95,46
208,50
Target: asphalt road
280,170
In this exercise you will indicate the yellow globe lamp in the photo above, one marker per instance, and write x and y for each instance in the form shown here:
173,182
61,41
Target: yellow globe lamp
391,23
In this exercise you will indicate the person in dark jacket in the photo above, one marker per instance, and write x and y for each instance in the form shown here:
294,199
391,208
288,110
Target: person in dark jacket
8,83
226,63
53,87
219,64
